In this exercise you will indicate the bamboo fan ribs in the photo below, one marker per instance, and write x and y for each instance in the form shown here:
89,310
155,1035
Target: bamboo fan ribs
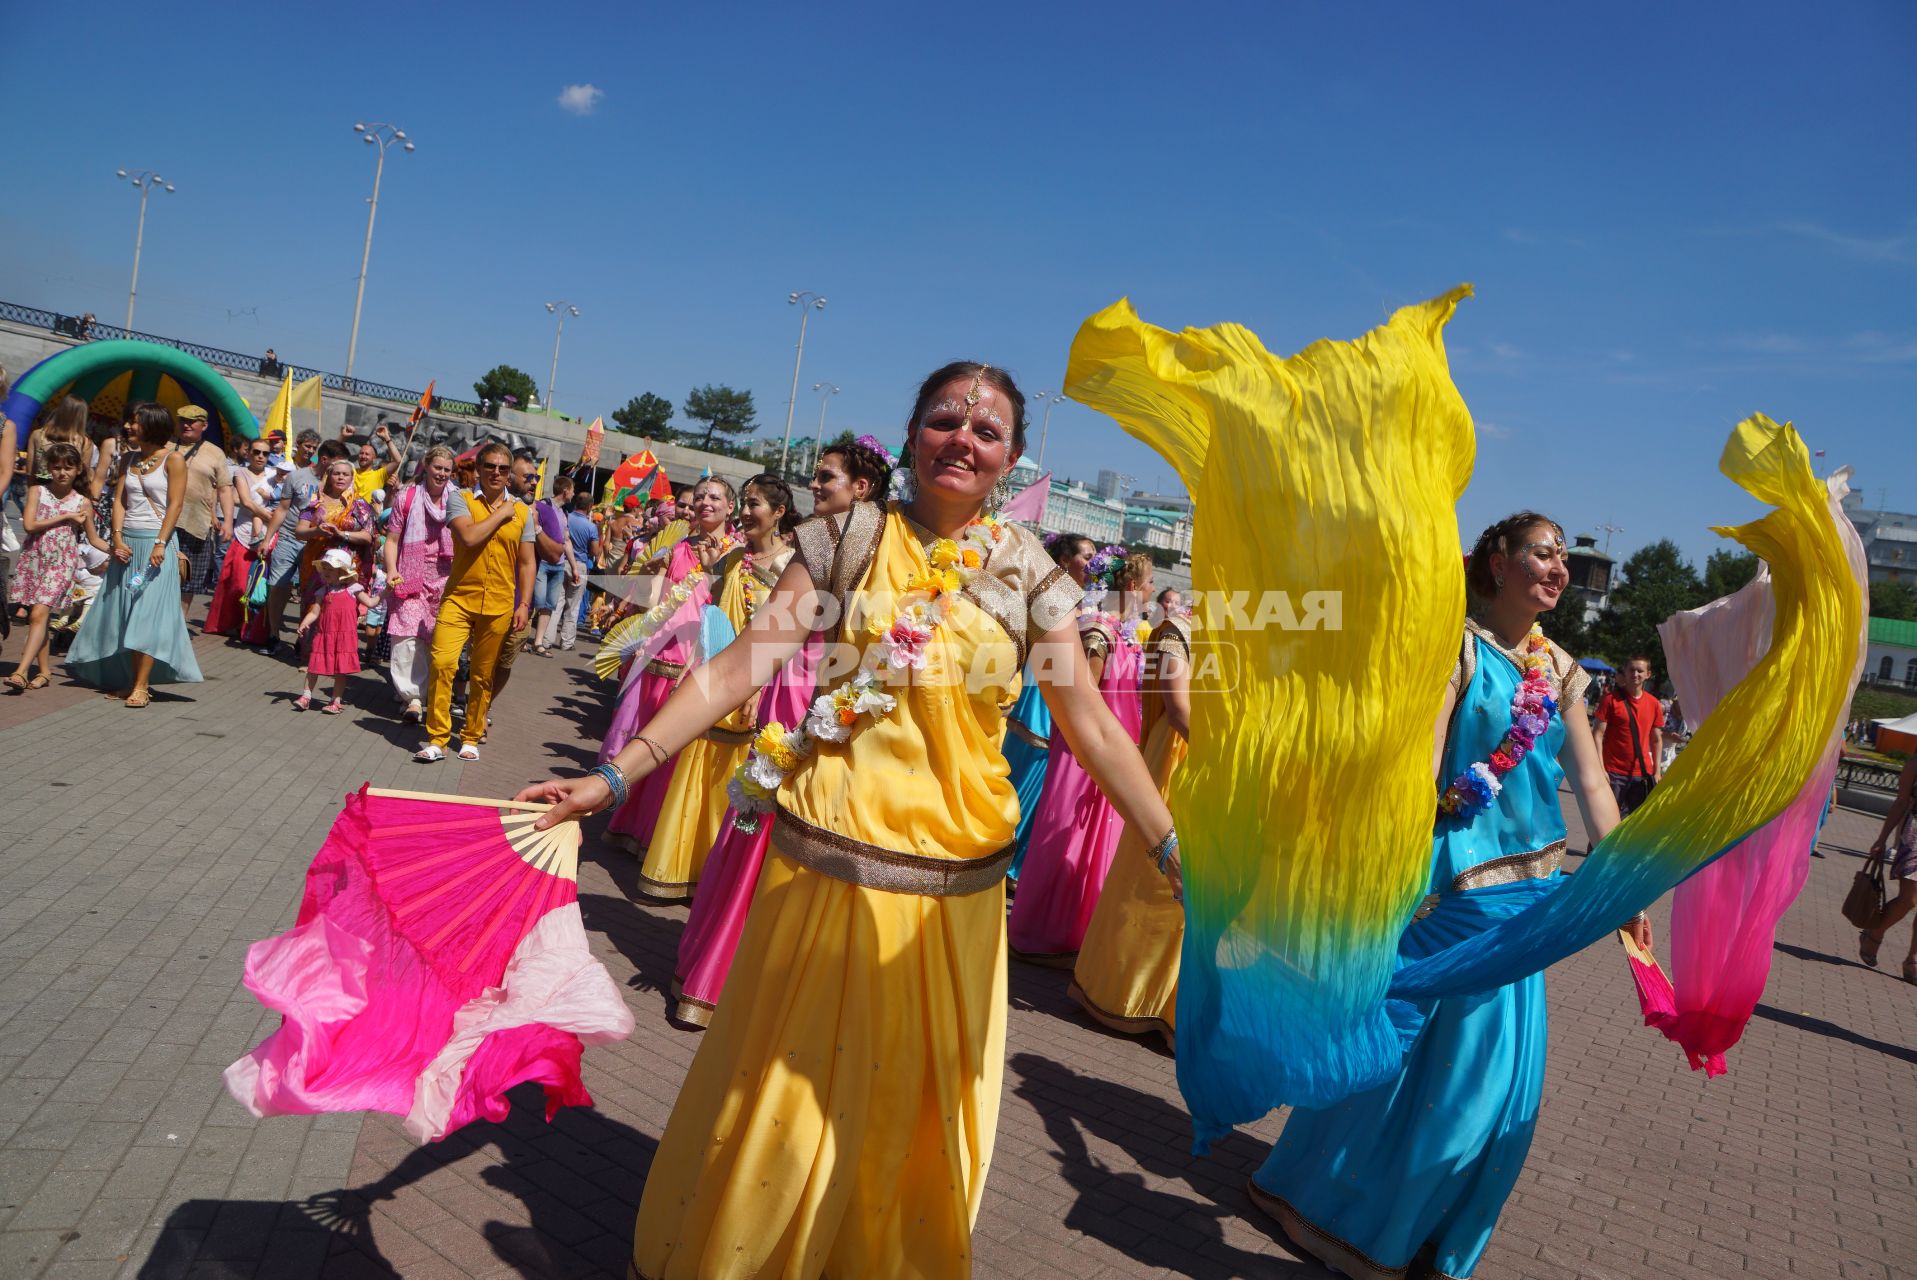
439,959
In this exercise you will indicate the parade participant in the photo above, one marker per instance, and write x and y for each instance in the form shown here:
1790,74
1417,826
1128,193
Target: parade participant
682,572
336,518
418,556
206,513
694,804
488,594
844,475
253,508
1126,976
1077,827
840,1114
134,635
582,558
1359,1185
285,546
1028,729
58,521
548,548
371,474
333,618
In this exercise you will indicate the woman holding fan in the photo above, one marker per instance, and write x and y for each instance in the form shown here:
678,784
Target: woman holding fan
840,1114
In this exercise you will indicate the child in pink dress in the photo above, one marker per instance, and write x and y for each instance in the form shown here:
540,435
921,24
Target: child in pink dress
58,522
336,612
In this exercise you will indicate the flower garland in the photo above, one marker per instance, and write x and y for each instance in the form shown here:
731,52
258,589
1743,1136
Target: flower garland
642,631
898,644
1532,706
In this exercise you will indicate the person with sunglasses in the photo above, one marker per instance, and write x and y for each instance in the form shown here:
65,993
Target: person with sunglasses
252,497
488,596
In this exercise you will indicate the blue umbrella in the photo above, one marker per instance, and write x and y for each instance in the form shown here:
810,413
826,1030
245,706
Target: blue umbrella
1595,664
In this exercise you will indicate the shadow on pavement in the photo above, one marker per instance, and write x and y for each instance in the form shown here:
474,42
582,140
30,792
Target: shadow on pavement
1182,1233
579,1179
1819,1027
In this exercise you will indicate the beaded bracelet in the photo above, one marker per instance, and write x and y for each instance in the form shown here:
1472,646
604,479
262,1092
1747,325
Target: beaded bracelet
1164,849
615,782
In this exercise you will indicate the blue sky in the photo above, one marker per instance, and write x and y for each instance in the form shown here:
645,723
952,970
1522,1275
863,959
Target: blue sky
1674,215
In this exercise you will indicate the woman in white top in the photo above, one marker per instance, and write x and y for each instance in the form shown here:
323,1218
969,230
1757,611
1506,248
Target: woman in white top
134,635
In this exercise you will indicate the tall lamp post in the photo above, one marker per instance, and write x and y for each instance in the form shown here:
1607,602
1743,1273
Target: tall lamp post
562,310
1046,425
146,180
381,136
807,303
825,392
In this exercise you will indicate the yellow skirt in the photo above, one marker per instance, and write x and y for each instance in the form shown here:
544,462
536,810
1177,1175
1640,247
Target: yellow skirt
1127,971
839,1116
689,819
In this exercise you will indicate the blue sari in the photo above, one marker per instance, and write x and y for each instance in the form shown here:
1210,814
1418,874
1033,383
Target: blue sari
1028,732
1413,1174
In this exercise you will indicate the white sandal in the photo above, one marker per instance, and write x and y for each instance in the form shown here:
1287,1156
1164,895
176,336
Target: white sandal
429,754
468,751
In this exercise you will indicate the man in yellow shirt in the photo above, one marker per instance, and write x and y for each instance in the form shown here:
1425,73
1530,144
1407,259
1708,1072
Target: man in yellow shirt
370,475
487,596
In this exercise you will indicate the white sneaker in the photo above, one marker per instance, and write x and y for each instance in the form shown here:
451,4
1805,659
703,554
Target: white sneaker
429,754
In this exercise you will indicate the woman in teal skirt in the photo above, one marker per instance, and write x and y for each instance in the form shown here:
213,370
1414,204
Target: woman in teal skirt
1408,1179
134,634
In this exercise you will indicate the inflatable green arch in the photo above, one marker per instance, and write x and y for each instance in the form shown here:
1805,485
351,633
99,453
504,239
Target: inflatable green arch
113,374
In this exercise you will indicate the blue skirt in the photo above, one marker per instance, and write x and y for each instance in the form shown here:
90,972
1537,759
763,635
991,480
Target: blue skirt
122,622
1027,761
1417,1170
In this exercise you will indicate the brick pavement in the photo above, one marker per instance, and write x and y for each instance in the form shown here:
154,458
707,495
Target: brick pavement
126,908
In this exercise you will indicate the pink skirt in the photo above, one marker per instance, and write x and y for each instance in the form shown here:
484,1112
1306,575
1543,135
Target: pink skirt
637,706
227,613
1073,838
335,649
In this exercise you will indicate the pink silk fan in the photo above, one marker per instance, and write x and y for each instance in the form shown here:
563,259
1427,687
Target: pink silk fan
439,959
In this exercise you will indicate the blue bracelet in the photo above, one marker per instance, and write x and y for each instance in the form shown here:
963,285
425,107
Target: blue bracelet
1164,849
615,782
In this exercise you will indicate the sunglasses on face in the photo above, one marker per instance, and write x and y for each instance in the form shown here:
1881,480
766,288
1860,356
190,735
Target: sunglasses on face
495,467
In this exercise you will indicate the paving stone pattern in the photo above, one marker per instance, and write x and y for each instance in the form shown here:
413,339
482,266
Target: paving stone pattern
128,898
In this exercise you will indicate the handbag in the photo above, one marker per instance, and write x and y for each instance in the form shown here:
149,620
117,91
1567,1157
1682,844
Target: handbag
1869,892
1638,789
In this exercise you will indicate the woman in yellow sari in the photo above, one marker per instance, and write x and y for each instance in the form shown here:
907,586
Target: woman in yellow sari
695,800
839,1117
1126,975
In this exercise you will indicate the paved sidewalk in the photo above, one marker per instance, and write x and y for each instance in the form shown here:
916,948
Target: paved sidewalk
127,900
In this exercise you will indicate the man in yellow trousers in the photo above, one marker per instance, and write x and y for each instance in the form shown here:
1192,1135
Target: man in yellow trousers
488,596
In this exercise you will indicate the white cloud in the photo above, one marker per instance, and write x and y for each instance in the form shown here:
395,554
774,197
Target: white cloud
1894,250
580,99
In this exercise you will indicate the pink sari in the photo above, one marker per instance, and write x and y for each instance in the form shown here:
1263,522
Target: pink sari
1074,834
732,868
644,693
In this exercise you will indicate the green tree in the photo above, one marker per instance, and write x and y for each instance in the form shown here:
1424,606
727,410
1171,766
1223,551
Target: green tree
1893,600
1728,571
646,415
724,411
1656,582
503,380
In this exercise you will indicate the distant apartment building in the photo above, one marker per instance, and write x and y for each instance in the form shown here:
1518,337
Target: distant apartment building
1889,538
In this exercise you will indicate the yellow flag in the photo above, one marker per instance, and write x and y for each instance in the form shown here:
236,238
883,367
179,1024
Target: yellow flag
307,394
280,416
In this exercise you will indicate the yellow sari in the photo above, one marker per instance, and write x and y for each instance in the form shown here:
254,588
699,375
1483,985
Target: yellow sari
695,801
839,1117
1126,976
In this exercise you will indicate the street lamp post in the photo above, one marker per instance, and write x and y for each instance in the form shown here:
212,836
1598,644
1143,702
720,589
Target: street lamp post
382,136
825,391
146,180
562,310
1046,425
807,303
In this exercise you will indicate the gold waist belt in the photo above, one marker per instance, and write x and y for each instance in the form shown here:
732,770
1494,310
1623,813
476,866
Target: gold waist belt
871,867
